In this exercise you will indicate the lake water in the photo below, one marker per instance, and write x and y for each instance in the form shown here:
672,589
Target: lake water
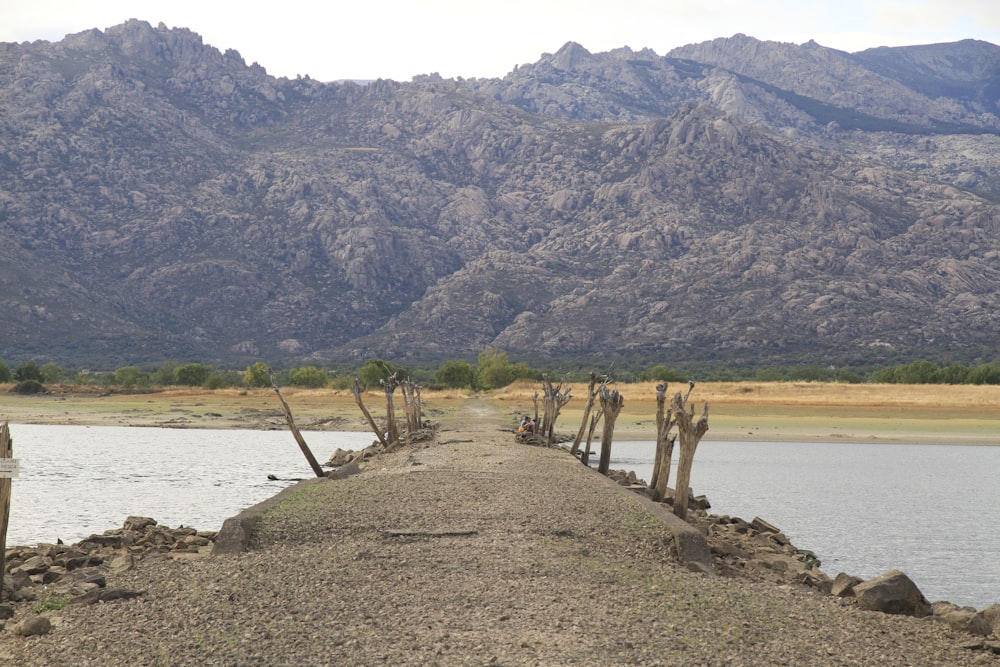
79,480
928,510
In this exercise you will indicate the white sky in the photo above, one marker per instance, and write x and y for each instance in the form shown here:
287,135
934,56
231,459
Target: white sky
397,39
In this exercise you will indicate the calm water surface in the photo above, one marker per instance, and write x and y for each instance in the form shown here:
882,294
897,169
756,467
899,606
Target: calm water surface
928,510
80,480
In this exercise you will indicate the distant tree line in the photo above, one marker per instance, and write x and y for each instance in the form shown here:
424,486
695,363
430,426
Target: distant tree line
492,370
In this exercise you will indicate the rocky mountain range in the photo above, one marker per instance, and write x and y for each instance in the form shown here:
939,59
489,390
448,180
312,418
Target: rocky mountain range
731,200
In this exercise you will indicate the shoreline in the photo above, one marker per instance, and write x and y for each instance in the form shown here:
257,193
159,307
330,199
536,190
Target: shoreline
779,412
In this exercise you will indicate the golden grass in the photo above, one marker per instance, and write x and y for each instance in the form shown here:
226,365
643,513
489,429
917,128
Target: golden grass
739,410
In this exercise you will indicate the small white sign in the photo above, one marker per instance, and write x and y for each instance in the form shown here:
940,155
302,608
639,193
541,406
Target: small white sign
10,467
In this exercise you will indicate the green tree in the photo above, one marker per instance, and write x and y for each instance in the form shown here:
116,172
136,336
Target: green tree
375,370
28,370
522,371
919,372
131,376
494,369
51,373
308,376
456,374
192,375
166,374
982,374
5,374
884,375
258,374
954,374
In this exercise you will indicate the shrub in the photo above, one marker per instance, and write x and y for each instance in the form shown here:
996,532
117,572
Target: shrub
29,387
308,376
216,380
456,374
660,373
5,374
769,375
192,375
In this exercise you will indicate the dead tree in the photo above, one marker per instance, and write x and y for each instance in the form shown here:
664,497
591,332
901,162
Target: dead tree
585,457
389,384
411,405
690,434
555,399
294,429
591,395
611,406
535,420
379,433
665,422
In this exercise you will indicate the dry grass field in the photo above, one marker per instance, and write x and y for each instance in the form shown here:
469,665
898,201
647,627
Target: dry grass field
738,410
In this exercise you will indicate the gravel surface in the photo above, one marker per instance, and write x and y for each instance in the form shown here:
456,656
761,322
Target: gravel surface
473,550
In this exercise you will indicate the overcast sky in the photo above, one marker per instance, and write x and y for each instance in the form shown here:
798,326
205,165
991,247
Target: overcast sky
397,39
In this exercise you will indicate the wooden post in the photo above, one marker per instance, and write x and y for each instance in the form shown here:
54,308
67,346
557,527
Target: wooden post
295,431
611,404
379,433
6,452
690,435
591,395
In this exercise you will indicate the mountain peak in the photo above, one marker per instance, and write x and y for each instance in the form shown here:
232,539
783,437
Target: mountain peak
569,56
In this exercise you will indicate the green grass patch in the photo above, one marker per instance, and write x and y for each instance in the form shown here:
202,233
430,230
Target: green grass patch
52,604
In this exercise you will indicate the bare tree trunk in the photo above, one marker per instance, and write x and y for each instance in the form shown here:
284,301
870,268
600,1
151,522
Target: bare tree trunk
664,446
591,395
690,435
555,399
295,431
611,405
379,433
389,385
538,424
585,459
411,404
